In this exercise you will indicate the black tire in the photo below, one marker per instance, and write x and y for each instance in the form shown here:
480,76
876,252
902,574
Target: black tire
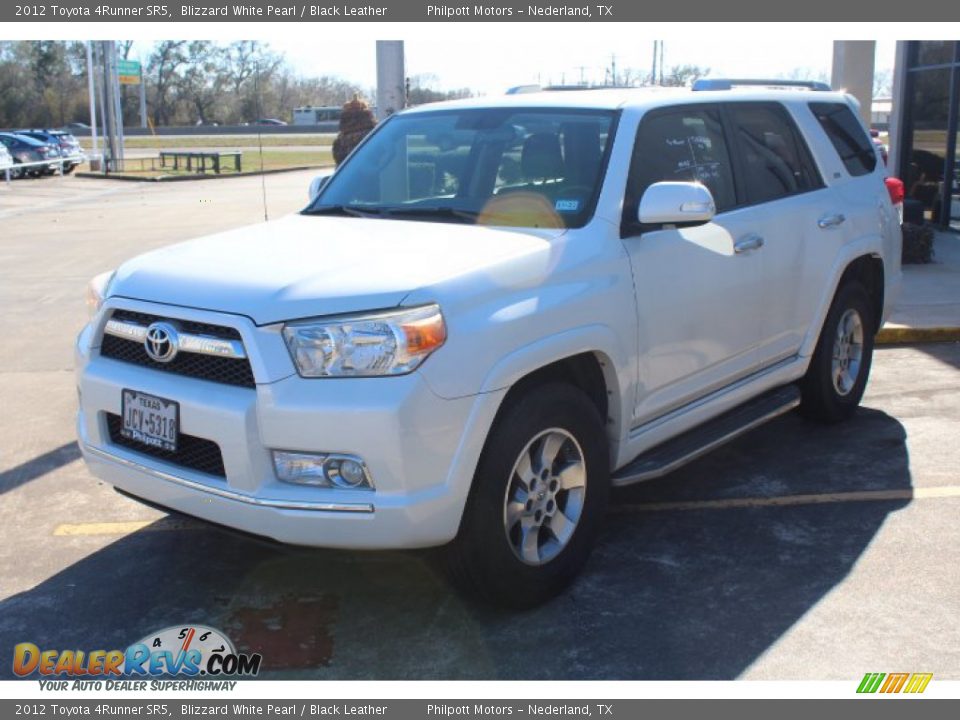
482,560
824,399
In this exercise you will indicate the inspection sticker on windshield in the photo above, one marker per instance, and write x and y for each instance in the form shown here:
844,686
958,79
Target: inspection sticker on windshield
567,205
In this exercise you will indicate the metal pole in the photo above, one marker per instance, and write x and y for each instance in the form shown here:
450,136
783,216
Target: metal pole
117,102
143,98
653,68
93,100
391,74
661,63
107,108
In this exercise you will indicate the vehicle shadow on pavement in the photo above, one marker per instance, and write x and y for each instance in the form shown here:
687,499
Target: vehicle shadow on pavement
681,591
38,466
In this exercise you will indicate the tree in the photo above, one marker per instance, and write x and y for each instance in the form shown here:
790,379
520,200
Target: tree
684,75
805,74
202,83
164,66
421,91
883,83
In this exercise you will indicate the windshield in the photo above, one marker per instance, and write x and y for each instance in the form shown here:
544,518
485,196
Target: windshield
493,166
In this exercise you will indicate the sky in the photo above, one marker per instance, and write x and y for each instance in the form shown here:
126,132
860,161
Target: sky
490,57
507,58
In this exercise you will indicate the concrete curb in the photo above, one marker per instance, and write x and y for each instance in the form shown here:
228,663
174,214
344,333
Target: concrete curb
191,178
901,334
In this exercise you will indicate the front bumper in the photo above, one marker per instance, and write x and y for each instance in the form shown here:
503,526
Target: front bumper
421,449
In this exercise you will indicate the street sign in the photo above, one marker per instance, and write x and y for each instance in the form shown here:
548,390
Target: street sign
128,72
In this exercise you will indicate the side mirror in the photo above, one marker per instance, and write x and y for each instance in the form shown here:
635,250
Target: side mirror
676,203
316,185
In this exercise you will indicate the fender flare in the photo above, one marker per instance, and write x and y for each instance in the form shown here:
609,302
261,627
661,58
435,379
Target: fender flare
864,246
597,339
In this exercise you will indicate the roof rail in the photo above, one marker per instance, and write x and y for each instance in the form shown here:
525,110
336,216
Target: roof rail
521,89
727,84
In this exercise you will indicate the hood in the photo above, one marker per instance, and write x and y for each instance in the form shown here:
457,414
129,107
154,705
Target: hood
304,266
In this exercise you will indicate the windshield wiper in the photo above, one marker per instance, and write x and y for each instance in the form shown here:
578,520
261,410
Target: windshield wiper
342,210
432,211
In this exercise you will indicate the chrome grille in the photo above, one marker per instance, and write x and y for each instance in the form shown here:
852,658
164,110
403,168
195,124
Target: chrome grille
209,352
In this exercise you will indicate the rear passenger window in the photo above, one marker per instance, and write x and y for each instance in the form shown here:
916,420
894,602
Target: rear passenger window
776,162
680,145
847,135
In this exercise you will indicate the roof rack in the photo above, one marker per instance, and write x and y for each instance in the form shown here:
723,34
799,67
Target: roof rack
728,84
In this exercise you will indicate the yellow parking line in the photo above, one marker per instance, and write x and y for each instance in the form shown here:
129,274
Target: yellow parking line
783,500
167,524
126,528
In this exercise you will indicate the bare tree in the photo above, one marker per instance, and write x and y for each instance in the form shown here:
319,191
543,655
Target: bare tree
168,57
683,75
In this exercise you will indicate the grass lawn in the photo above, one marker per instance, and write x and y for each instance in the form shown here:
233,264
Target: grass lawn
272,160
165,142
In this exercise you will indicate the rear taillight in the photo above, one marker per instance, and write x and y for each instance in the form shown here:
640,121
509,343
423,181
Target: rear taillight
895,188
897,193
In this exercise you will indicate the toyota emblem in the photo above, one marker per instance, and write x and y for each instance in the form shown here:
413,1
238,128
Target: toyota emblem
161,342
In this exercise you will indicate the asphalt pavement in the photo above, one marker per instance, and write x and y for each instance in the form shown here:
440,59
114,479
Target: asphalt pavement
797,552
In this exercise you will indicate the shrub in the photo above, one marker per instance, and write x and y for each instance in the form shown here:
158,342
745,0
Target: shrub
917,244
356,120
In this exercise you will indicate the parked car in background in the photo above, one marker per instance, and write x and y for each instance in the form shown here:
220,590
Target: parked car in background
67,144
879,144
6,159
26,150
77,127
270,121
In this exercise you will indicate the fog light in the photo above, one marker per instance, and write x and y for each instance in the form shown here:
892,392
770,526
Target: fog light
326,470
346,472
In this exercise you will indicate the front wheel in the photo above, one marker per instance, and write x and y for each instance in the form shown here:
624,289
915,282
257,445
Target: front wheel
538,498
838,372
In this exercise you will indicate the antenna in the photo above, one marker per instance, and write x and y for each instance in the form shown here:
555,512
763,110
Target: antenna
263,178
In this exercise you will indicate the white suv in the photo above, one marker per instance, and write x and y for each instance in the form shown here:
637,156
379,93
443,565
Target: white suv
493,311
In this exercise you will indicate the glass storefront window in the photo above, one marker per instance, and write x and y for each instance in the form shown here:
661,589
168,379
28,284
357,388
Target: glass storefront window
930,111
955,193
934,52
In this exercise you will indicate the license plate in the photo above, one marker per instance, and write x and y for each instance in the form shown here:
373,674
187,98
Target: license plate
150,420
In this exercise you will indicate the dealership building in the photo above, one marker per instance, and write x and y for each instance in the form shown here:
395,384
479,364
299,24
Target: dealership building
924,115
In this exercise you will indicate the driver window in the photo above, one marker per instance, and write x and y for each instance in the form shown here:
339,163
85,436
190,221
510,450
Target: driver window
680,145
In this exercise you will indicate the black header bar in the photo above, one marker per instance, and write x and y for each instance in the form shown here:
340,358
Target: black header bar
501,11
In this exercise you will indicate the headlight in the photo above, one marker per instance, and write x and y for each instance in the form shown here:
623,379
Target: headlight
391,343
97,290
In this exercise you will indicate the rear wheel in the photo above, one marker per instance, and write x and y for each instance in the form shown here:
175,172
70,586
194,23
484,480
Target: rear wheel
538,498
838,372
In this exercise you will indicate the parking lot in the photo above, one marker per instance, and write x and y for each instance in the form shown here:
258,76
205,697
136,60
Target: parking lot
797,552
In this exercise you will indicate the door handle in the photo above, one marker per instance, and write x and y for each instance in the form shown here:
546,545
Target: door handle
829,221
749,242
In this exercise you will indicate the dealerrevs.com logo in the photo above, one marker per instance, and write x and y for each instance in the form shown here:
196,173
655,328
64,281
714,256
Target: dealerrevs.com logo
888,683
182,650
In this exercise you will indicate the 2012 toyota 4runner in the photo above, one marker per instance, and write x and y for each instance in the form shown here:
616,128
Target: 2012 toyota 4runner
493,311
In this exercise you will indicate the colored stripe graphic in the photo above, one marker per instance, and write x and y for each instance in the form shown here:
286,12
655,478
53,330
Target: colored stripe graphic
870,682
894,683
918,682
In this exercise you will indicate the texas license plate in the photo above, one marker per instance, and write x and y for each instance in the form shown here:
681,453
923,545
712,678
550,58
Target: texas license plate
150,420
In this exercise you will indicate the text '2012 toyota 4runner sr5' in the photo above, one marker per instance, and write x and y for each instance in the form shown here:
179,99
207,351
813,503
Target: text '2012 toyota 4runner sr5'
492,312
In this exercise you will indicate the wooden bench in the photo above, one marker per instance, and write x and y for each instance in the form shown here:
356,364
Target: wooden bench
197,159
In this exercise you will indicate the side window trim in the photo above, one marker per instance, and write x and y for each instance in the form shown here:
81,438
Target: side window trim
740,168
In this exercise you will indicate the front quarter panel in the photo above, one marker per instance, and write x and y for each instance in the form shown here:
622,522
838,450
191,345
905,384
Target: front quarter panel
571,295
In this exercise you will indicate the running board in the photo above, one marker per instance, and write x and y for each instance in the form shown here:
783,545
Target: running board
676,452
